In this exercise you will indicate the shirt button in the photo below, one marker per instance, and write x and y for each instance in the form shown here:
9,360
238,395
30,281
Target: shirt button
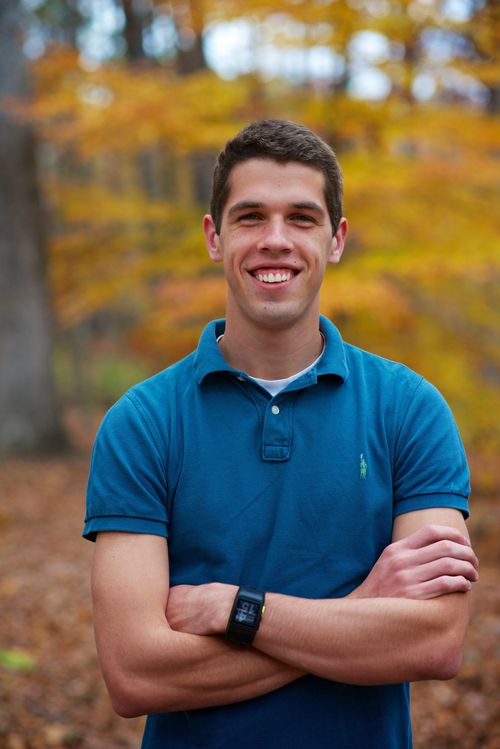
275,410
241,379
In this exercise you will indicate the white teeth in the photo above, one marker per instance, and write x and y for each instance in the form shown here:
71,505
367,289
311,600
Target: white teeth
274,277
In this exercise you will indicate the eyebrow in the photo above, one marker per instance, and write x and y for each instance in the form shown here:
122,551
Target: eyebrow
305,205
243,205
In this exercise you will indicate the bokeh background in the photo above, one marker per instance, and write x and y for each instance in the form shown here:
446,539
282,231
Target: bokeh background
111,115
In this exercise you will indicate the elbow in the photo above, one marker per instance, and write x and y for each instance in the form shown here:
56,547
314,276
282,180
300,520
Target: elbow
444,645
125,708
447,665
125,698
125,687
453,653
443,658
132,695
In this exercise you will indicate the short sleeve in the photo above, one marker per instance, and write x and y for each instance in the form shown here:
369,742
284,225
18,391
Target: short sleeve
127,488
430,467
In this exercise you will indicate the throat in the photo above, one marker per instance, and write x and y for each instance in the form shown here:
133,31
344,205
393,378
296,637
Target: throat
269,359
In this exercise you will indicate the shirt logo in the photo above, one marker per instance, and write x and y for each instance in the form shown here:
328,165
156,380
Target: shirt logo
363,467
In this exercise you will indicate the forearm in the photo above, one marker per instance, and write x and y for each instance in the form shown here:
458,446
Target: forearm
407,621
366,641
147,665
161,670
156,662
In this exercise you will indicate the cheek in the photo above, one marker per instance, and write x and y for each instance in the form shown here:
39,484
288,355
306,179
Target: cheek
234,257
232,270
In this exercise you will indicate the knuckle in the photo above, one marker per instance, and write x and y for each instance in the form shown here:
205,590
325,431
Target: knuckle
455,583
434,532
389,552
387,560
396,566
447,583
446,547
450,566
460,584
401,577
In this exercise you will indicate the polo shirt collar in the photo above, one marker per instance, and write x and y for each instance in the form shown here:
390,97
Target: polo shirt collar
334,359
208,357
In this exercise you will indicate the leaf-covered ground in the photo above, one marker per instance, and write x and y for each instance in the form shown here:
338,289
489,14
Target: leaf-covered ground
51,692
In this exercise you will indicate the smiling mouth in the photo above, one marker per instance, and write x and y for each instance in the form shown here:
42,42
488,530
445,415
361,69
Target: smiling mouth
277,276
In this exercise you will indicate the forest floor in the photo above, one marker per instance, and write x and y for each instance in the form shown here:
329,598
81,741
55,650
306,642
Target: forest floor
51,692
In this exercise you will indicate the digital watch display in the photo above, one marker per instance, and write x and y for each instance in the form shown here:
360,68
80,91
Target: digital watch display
245,616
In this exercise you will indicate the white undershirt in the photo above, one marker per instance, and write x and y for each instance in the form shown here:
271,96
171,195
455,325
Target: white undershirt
276,386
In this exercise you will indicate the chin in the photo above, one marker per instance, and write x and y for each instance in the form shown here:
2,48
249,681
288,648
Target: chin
277,317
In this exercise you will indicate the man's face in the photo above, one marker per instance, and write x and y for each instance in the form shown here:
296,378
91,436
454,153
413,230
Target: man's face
275,242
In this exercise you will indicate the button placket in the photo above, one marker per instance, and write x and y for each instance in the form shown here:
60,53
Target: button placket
276,431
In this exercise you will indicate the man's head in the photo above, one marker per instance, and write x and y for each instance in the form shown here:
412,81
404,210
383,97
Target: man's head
280,141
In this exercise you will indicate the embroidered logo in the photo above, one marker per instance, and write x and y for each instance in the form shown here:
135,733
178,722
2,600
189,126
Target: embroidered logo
363,467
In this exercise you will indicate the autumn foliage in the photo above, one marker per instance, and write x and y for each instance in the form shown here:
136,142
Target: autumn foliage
126,142
52,695
127,145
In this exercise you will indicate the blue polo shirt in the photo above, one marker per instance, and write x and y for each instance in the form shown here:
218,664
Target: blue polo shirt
294,494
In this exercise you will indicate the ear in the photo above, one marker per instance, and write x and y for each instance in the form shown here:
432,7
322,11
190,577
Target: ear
211,239
338,242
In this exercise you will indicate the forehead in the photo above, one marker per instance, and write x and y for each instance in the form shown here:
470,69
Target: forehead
267,181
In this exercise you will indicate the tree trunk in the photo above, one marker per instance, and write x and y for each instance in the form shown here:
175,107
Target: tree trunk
189,21
133,31
28,416
494,100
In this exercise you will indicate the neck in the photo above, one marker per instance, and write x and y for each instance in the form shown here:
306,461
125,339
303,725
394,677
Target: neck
271,354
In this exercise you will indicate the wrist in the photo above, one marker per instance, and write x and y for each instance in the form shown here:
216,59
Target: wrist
222,604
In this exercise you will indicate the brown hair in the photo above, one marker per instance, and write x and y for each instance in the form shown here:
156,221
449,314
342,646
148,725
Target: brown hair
281,141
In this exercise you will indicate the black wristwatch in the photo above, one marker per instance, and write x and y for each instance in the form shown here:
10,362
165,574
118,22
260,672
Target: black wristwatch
245,616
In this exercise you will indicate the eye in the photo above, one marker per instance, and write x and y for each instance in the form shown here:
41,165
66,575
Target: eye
249,217
303,218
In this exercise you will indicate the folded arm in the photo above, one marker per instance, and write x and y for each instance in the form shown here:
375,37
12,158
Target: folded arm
378,634
148,667
154,662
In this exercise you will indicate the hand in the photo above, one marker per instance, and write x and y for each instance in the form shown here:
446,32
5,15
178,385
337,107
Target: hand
431,562
200,609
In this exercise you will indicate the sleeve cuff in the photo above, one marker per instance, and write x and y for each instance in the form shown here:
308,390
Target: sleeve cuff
123,524
427,501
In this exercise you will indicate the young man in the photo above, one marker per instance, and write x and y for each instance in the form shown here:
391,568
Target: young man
279,516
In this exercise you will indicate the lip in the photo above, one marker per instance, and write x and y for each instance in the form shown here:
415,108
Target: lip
269,268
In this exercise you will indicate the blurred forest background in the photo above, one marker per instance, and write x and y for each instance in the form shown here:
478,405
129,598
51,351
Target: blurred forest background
111,115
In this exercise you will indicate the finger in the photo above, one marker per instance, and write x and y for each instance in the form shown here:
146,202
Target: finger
444,549
441,586
430,534
405,559
445,567
440,550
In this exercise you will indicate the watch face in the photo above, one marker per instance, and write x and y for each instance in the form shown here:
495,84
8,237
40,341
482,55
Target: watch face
247,612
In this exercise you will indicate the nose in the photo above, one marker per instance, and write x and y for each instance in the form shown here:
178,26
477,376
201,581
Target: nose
275,237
